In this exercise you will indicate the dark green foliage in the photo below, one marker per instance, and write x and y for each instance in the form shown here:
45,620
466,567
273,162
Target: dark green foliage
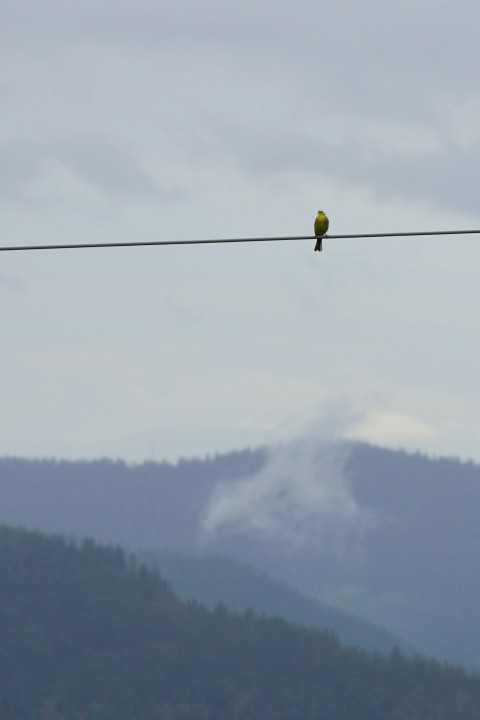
414,571
213,578
86,635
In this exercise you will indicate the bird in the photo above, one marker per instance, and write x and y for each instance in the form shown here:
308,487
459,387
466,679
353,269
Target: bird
320,228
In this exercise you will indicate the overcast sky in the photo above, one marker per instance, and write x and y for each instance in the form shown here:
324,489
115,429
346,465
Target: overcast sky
153,120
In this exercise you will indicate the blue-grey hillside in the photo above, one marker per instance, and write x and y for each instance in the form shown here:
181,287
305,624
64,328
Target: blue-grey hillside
87,635
159,506
388,535
210,579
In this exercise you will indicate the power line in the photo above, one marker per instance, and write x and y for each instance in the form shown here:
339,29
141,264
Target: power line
145,243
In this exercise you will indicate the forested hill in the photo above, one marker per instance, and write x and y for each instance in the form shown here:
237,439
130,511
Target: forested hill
85,635
386,535
240,586
141,506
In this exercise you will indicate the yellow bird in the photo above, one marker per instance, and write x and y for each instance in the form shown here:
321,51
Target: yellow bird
320,228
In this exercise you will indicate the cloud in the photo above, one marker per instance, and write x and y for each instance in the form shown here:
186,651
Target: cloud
107,165
355,107
10,282
248,114
89,158
396,162
387,427
301,495
145,24
20,166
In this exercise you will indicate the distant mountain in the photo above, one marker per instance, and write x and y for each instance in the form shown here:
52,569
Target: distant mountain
85,635
147,505
211,579
390,536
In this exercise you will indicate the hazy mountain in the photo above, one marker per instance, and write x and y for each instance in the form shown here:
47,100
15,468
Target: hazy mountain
85,635
147,505
390,536
210,579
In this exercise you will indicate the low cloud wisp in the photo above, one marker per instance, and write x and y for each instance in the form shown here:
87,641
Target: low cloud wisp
300,497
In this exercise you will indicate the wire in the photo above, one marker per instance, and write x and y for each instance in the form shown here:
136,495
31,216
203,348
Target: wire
144,243
79,246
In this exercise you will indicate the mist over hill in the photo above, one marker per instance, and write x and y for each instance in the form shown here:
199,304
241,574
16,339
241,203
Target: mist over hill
387,535
210,579
86,634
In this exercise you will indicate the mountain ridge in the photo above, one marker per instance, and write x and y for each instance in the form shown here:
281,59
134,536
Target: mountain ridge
413,568
87,634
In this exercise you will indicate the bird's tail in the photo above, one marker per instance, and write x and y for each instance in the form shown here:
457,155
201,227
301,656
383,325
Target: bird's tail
318,245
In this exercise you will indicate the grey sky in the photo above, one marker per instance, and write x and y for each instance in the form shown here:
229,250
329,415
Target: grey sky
172,120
